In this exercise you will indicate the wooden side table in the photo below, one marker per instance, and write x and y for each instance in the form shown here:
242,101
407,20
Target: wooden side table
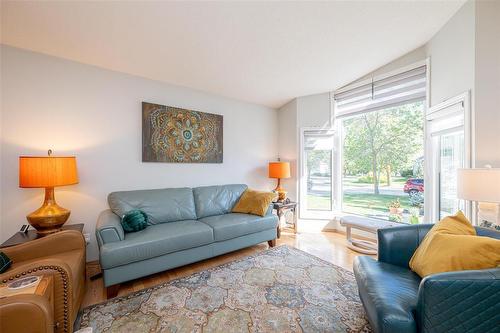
281,209
20,237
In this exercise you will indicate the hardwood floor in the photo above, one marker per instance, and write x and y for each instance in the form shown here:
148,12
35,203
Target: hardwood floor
329,246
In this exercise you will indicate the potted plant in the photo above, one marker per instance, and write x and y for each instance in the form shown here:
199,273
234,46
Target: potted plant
414,215
395,207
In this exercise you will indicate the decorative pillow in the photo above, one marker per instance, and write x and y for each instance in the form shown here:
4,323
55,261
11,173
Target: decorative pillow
452,245
254,202
5,262
134,220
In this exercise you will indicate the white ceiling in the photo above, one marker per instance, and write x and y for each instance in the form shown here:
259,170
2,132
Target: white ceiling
261,52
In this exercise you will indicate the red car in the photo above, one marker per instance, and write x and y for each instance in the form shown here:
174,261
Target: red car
414,186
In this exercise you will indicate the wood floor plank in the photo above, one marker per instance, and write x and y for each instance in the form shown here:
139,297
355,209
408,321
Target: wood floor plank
329,246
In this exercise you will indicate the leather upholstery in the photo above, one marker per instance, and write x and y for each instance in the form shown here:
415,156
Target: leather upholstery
63,256
175,259
463,301
14,315
161,205
216,200
109,228
396,245
127,256
391,294
234,225
155,240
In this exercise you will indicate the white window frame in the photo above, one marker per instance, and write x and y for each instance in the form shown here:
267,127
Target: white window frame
304,213
441,111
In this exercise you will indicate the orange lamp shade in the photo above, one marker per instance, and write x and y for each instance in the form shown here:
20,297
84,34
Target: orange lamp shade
47,171
279,170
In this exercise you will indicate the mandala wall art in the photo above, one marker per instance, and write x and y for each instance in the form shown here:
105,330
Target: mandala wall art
175,135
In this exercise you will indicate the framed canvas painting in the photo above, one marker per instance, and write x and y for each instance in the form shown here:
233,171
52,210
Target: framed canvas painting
175,135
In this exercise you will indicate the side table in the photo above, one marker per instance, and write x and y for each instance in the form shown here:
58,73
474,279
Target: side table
281,209
20,237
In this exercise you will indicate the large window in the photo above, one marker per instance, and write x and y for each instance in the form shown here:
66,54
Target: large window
383,163
381,125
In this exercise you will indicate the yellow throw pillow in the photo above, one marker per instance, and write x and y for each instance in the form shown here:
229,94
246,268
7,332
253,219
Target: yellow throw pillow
456,224
452,245
254,202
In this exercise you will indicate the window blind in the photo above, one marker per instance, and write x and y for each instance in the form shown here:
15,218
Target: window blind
381,92
318,140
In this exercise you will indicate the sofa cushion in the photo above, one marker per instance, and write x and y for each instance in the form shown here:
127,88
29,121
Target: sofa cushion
154,241
234,225
161,205
388,293
216,200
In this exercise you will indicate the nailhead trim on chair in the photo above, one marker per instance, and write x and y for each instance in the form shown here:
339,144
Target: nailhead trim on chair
64,276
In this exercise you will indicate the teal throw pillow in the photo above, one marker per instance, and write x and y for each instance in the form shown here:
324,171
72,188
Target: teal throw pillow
134,220
4,262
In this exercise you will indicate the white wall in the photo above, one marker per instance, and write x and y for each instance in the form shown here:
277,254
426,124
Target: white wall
288,145
307,111
451,53
487,83
95,114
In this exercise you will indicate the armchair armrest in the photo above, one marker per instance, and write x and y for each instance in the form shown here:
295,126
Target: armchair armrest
65,307
396,245
108,228
63,241
462,301
26,313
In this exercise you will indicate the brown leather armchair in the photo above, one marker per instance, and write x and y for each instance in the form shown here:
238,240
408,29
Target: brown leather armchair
63,256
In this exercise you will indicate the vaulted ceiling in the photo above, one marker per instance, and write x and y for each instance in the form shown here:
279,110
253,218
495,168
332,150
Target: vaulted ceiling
261,52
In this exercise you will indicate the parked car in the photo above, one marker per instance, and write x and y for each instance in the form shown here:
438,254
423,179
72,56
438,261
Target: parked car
413,186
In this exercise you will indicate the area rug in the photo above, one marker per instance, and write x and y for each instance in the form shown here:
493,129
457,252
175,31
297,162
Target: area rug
282,289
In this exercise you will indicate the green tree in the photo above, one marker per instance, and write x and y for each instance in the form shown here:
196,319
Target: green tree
387,140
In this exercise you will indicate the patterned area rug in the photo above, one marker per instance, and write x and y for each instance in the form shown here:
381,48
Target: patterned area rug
279,290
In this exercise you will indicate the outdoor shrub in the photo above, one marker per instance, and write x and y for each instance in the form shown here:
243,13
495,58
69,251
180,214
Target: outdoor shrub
406,173
417,199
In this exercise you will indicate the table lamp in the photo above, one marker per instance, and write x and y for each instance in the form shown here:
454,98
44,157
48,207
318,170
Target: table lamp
279,170
47,172
483,186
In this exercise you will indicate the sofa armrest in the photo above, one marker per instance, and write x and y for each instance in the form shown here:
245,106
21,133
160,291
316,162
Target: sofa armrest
108,228
462,301
396,245
270,209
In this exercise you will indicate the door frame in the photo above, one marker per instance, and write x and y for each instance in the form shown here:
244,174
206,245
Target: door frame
442,110
303,212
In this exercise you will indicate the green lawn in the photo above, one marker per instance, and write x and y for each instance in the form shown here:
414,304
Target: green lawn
318,203
360,203
359,181
366,203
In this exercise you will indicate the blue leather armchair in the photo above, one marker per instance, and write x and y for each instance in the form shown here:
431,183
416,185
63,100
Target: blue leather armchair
398,300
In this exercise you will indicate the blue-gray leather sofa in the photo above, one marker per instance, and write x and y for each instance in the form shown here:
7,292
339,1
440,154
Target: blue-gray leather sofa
398,300
185,225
